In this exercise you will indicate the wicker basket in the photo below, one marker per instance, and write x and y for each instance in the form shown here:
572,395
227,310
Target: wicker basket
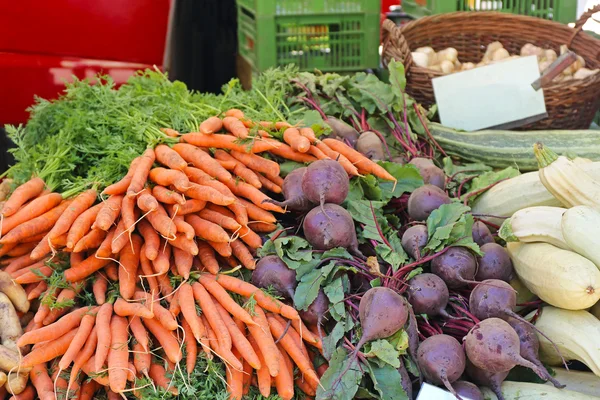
570,105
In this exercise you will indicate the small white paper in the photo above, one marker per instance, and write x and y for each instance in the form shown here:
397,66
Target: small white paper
489,96
430,392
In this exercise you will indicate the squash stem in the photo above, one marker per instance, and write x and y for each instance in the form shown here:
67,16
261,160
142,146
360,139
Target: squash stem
506,232
544,155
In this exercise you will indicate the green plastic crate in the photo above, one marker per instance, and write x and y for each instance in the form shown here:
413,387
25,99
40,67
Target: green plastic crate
564,11
330,35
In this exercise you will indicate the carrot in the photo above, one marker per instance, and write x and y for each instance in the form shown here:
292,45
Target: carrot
146,201
33,274
235,379
6,248
284,381
83,332
358,159
104,250
161,314
130,260
239,168
168,177
234,112
238,338
85,354
118,355
229,142
305,387
159,375
282,124
256,213
183,262
246,289
89,370
47,351
80,204
44,309
269,184
42,382
121,186
207,230
103,322
211,125
191,347
139,332
36,225
285,151
147,271
242,189
34,208
169,157
162,262
27,191
202,178
108,213
161,222
224,249
82,225
85,269
111,271
296,141
262,227
166,338
250,237
236,127
290,347
127,309
167,196
141,359
202,161
243,254
140,175
206,254
257,163
88,390
308,133
208,194
120,239
188,309
315,151
212,315
306,334
99,288
128,213
228,165
185,244
19,263
291,332
219,219
216,290
170,132
66,295
92,240
37,291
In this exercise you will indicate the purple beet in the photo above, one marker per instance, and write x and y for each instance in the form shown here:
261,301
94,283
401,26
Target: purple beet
481,233
342,131
317,310
272,271
431,174
457,267
428,294
467,390
295,199
492,380
414,240
442,360
495,263
330,226
424,200
325,181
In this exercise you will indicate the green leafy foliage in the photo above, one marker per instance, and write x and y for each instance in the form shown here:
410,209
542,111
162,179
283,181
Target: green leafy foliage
450,225
341,380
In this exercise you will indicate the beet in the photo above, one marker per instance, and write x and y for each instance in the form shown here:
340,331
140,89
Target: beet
468,390
382,312
414,240
424,200
493,345
272,271
330,226
325,181
405,380
442,360
481,377
431,174
317,310
457,267
295,200
371,146
495,263
530,347
481,233
342,130
428,294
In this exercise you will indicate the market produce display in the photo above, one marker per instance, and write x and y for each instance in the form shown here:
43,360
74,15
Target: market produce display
309,238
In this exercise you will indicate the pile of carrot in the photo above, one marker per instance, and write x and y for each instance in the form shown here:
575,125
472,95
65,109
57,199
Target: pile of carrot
164,238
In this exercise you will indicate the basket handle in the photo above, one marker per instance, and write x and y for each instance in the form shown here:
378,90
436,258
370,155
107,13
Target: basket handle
393,34
581,21
558,66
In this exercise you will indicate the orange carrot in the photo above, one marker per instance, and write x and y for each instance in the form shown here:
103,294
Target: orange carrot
167,196
128,213
34,208
242,189
191,347
169,157
209,194
130,260
207,230
80,204
99,288
257,163
256,213
118,355
268,184
305,387
239,168
234,112
184,227
89,369
224,249
33,273
131,309
217,218
183,262
202,178
6,248
92,240
185,244
103,322
296,141
141,359
229,142
284,381
168,177
111,271
42,382
85,354
238,338
246,289
315,151
309,134
104,250
228,165
161,314
83,332
109,212
291,332
139,332
262,374
88,390
206,254
349,167
66,295
170,132
146,201
213,317
190,206
285,151
202,161
140,175
162,261
27,191
211,125
262,227
221,295
36,225
188,309
121,186
37,291
235,379
306,334
48,351
250,237
19,263
243,254
158,374
85,269
166,338
82,225
161,222
147,271
236,127
358,159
